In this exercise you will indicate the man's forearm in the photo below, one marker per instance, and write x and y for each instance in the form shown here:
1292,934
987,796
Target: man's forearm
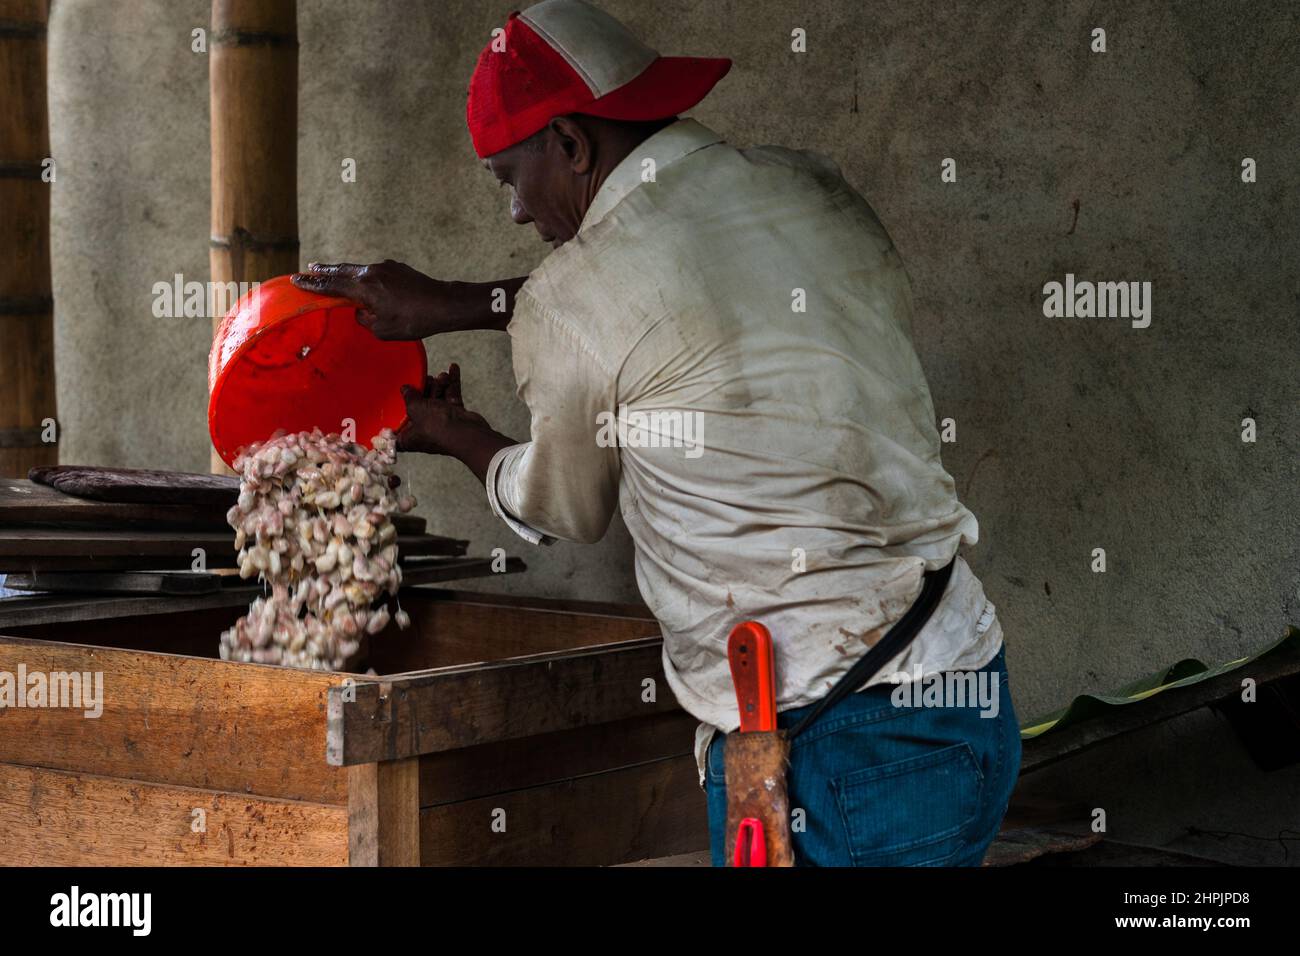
478,449
483,305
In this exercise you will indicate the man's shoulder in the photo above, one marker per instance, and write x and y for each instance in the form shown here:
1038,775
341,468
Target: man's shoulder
563,306
816,163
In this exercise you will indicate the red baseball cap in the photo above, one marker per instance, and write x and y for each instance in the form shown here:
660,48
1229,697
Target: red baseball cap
566,56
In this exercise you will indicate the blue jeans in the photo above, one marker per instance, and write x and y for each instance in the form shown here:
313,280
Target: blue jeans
881,784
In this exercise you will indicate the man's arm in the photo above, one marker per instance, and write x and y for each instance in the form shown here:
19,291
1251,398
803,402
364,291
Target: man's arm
438,423
399,303
564,482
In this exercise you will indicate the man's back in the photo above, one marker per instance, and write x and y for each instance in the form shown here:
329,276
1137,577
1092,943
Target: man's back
747,310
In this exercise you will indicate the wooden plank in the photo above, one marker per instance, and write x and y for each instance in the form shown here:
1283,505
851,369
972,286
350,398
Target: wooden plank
217,725
1018,842
27,386
1114,853
424,712
24,502
439,570
1022,844
253,111
414,572
117,582
39,609
458,627
171,625
140,485
384,813
697,858
19,614
638,611
453,775
1014,845
1047,749
29,550
54,818
650,810
190,633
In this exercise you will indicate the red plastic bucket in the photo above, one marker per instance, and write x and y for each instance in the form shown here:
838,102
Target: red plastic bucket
288,359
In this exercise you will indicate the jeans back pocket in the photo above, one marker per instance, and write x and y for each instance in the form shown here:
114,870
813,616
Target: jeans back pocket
911,812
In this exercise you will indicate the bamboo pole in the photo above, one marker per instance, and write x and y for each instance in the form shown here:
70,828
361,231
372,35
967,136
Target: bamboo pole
27,396
253,85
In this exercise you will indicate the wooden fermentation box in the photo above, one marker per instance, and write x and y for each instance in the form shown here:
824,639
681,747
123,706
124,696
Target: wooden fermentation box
501,730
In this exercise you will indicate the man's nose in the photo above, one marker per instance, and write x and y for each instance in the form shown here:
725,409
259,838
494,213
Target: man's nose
517,211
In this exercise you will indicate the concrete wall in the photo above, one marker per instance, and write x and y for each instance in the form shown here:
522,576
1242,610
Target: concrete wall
1073,434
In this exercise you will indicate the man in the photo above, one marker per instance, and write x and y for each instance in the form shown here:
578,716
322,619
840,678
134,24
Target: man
719,349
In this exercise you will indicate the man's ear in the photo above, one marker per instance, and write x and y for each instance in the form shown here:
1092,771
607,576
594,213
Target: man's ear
577,143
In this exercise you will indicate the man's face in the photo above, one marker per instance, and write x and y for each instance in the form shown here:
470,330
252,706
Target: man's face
544,189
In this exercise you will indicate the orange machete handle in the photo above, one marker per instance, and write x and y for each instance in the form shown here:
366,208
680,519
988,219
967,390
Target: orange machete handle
753,671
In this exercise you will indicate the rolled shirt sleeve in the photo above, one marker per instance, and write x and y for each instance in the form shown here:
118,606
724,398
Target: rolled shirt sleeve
528,533
564,482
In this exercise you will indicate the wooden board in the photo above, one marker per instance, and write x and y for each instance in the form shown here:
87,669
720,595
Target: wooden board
60,612
27,391
27,503
54,818
24,502
118,582
696,859
1011,848
471,772
460,627
424,712
1018,845
185,721
575,609
384,813
30,550
191,632
183,624
253,112
414,572
140,485
652,809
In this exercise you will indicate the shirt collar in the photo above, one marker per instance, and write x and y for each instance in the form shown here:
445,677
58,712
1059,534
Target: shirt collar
665,147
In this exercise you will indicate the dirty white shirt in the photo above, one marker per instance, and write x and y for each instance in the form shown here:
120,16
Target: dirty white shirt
746,306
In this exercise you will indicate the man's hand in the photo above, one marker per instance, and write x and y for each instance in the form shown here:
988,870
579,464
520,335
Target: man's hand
398,303
438,423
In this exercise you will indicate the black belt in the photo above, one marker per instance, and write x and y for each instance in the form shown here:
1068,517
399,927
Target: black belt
887,648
